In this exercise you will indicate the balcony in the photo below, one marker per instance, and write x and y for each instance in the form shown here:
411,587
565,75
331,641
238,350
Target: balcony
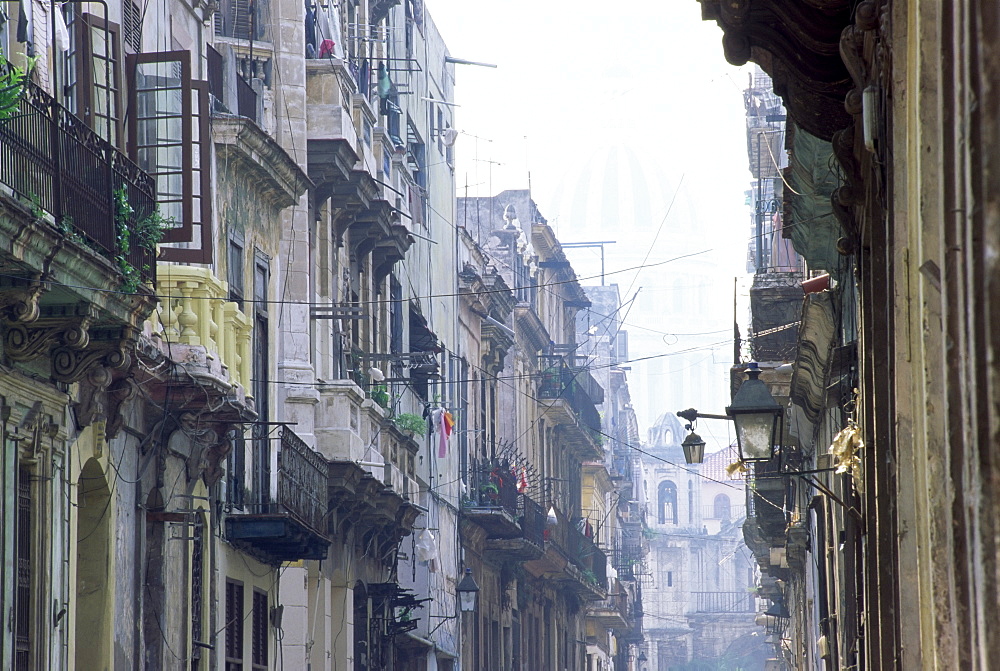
60,168
765,524
573,560
361,501
291,527
195,312
492,502
612,612
724,602
628,561
567,394
529,543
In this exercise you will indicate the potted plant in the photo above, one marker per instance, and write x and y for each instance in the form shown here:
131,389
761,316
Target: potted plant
380,395
411,424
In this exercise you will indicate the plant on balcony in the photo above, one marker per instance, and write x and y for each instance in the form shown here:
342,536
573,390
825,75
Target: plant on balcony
380,395
12,84
411,424
590,577
145,233
489,491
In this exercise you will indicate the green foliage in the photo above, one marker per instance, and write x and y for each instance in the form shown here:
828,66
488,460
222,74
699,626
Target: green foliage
12,83
380,395
410,423
146,233
37,211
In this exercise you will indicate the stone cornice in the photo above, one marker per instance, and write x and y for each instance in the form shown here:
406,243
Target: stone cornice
529,327
798,44
280,178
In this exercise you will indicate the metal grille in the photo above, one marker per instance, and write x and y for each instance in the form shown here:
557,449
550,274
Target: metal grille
246,100
234,626
258,644
51,158
22,597
302,481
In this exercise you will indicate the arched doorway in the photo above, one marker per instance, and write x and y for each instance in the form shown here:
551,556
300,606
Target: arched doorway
93,530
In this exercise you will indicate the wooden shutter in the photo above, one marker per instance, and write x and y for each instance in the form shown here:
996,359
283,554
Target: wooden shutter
234,626
258,643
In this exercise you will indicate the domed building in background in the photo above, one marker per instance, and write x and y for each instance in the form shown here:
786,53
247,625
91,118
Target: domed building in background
700,600
677,303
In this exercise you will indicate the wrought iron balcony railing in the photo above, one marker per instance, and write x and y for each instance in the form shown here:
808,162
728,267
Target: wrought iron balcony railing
577,387
493,485
586,556
290,526
56,163
724,602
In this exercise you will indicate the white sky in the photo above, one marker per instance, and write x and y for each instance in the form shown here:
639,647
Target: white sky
616,110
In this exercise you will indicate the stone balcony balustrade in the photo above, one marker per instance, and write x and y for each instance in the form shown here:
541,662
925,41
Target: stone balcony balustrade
195,312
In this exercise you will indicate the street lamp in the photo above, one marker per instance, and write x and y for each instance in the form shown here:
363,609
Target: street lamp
757,417
467,590
694,448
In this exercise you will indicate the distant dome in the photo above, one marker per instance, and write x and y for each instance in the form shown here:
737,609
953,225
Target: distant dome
615,187
667,432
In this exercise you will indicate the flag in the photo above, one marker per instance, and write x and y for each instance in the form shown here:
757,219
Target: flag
522,480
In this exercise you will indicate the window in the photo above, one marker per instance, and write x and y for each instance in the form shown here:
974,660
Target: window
258,643
240,19
260,382
93,74
234,625
667,503
169,139
670,578
720,507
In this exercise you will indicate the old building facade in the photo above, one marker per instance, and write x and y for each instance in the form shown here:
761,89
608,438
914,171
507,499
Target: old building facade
265,395
874,521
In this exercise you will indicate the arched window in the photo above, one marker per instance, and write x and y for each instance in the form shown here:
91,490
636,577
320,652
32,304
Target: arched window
720,507
667,508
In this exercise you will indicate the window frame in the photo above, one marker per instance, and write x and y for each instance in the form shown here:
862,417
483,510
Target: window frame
195,136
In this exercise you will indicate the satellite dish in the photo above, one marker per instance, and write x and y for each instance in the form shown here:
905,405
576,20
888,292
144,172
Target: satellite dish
449,136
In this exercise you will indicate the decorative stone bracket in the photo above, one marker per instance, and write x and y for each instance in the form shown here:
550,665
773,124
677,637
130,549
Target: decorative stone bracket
19,298
67,335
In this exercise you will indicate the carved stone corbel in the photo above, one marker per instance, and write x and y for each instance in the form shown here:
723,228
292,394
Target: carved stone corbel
119,394
19,302
91,405
34,339
216,454
113,350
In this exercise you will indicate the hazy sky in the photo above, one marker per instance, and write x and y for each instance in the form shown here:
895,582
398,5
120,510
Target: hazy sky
632,126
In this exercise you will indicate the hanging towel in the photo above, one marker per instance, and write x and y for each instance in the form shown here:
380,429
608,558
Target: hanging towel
384,83
62,32
326,48
522,480
23,22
